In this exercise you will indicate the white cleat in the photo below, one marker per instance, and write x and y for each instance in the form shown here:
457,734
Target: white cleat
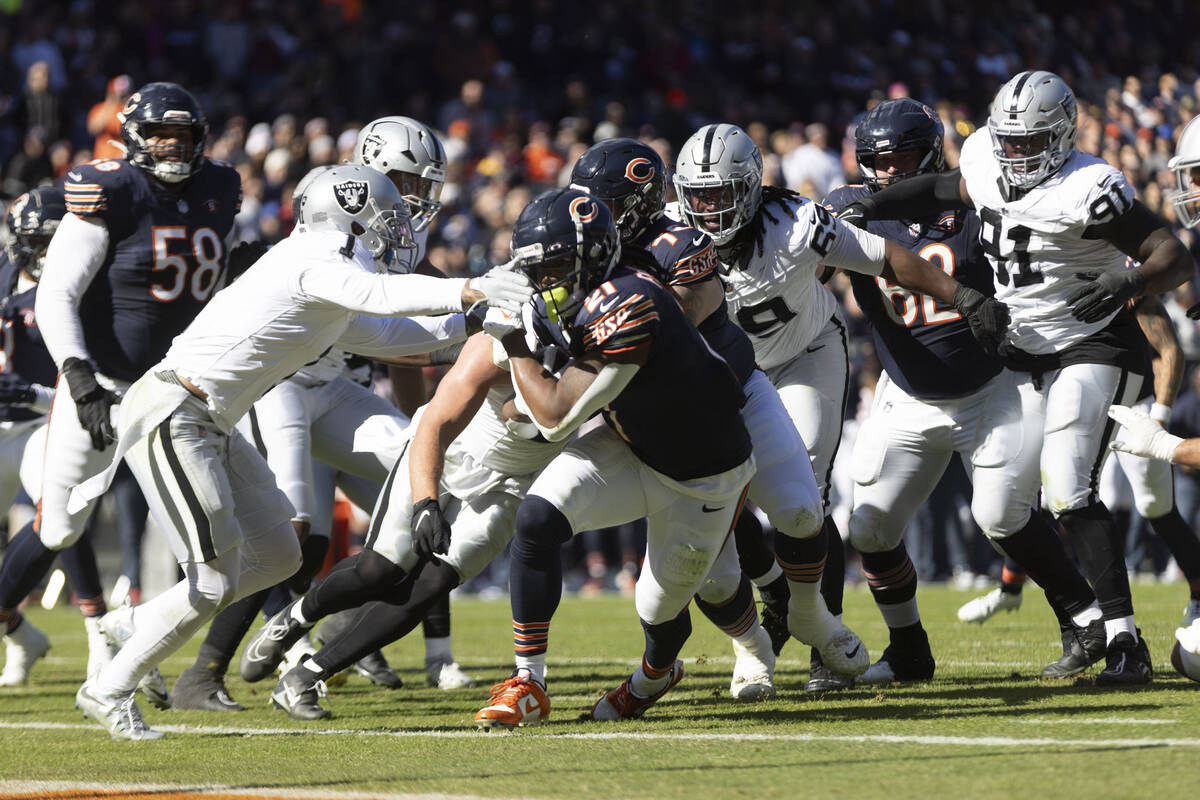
983,608
447,675
22,647
100,652
753,669
118,713
842,652
878,674
117,626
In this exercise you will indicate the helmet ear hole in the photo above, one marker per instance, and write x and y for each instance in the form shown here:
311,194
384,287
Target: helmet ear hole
357,229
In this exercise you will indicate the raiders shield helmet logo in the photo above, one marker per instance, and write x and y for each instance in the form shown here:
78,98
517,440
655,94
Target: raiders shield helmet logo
371,148
351,195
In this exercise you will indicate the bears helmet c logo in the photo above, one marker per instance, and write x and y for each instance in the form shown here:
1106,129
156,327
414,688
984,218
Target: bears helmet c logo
639,170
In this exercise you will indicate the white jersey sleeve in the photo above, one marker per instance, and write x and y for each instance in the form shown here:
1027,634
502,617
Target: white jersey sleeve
73,259
1038,240
347,285
401,336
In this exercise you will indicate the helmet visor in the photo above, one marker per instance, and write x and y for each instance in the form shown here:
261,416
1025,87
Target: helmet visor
422,195
1186,198
715,208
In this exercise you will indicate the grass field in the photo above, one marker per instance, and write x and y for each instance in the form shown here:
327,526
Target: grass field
984,727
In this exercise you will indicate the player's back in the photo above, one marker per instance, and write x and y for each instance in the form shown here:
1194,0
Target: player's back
165,260
24,351
926,347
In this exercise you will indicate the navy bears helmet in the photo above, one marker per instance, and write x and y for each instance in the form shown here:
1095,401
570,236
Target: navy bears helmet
154,110
566,244
629,177
894,125
29,223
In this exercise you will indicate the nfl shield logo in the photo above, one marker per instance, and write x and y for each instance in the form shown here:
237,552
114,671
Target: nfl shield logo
351,195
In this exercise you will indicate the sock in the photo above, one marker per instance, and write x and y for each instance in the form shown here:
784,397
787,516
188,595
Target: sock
436,624
1012,577
773,574
893,583
833,581
663,643
1101,552
803,562
1087,616
736,614
1181,540
754,556
26,562
1040,553
79,563
534,666
226,632
1112,627
535,575
312,558
11,619
437,649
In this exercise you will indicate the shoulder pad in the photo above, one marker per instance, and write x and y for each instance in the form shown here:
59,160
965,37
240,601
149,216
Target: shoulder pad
90,187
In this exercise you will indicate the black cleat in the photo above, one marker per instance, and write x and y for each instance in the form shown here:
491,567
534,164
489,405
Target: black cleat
374,667
775,596
297,693
822,679
200,689
910,659
265,650
1082,647
1127,663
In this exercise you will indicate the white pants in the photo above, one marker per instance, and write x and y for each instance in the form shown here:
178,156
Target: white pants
597,482
22,446
904,446
813,387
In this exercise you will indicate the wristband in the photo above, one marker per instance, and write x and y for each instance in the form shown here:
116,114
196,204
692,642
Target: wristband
1160,413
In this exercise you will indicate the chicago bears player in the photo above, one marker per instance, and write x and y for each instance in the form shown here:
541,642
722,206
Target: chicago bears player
211,491
940,394
636,358
630,178
139,252
1057,225
771,244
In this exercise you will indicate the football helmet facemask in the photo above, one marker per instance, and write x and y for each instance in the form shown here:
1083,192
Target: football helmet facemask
718,177
361,202
411,154
1033,127
629,177
893,126
170,113
566,244
1185,164
29,223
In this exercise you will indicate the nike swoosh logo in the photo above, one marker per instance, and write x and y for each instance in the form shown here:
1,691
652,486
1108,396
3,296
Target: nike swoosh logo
854,652
604,307
75,176
699,240
814,348
417,524
708,510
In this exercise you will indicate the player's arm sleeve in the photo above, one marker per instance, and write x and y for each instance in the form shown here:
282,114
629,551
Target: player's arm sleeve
607,385
402,336
382,295
75,256
1141,234
916,197
851,248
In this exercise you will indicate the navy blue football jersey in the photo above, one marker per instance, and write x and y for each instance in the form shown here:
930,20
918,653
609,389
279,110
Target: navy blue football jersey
688,256
166,257
681,413
925,346
24,352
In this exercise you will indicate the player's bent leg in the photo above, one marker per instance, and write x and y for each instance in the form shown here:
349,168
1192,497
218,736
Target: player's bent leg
728,601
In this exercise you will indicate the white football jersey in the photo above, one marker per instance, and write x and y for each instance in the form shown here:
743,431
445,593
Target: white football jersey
298,302
778,299
1037,242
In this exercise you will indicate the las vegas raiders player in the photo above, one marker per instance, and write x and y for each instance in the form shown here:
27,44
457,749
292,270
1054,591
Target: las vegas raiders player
1057,225
771,244
940,394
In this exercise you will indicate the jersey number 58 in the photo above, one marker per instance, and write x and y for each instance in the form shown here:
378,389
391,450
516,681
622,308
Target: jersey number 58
207,251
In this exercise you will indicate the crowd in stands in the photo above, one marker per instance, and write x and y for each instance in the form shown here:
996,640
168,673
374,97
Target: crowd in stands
519,90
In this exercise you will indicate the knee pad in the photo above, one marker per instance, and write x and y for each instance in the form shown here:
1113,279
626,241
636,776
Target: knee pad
870,531
719,589
799,523
211,590
540,523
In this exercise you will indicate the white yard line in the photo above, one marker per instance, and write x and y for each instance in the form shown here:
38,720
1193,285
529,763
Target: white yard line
11,788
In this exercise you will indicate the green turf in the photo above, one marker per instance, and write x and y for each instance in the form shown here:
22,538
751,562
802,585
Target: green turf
1007,733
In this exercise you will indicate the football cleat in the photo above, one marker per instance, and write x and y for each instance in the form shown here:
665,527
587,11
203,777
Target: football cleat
1191,613
117,626
842,652
1127,663
266,649
622,703
25,645
200,689
446,675
100,652
1082,647
118,713
753,669
901,662
774,613
822,679
981,609
374,667
298,693
518,701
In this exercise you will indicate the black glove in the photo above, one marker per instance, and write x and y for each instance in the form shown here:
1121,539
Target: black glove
430,531
242,257
15,390
92,402
1104,293
987,316
856,214
1194,312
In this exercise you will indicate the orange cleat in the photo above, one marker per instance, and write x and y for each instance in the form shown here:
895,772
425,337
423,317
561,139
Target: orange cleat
622,703
518,701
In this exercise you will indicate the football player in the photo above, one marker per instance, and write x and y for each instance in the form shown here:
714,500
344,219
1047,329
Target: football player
940,394
213,494
771,244
638,359
139,253
1057,225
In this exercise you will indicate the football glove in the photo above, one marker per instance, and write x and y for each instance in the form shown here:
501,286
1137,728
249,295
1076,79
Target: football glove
855,214
1141,435
987,316
1104,293
92,402
242,257
15,390
503,287
430,530
500,322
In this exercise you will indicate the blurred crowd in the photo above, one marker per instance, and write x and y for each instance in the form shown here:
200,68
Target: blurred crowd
518,90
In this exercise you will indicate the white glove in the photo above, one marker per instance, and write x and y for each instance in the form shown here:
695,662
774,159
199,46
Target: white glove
500,322
503,288
1141,435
